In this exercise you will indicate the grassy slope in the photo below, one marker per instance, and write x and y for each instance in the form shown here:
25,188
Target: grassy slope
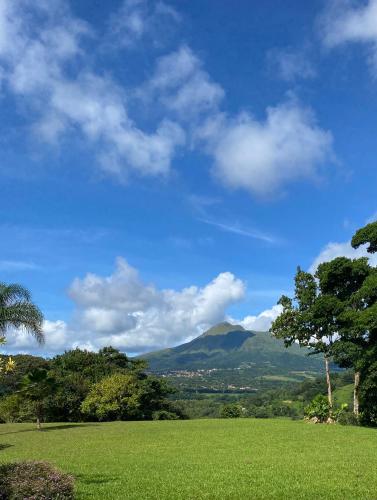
210,459
344,395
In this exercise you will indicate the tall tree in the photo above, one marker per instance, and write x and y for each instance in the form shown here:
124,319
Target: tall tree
342,279
18,311
309,320
365,322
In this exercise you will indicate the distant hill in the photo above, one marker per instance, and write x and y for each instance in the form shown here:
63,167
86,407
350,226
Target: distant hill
231,346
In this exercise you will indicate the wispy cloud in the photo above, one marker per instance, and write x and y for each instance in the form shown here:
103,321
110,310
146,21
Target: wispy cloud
18,265
241,231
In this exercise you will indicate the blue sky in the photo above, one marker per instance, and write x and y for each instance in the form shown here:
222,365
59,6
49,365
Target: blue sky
166,165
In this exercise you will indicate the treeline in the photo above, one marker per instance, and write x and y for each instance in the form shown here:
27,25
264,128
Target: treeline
334,312
83,386
285,400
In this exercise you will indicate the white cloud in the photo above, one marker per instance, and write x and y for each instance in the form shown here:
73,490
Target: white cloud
333,250
345,22
241,231
136,19
57,336
183,86
264,156
291,65
18,265
41,44
123,311
260,322
45,62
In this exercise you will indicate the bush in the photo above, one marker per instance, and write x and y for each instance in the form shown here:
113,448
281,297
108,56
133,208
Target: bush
318,409
15,409
164,415
34,481
346,417
231,411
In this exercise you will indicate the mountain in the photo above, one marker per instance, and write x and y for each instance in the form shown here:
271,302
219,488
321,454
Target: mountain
227,346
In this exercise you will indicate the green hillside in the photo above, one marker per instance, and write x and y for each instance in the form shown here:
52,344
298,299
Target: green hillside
228,346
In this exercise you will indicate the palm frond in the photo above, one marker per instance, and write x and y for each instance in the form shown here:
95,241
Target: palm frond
17,311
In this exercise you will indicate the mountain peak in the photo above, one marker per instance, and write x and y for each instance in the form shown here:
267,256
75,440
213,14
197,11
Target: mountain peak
222,329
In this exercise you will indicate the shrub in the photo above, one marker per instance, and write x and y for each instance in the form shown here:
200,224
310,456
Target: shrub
262,412
346,417
34,481
164,415
231,411
14,408
318,409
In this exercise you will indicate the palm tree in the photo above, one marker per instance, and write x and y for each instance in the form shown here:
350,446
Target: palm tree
36,386
18,311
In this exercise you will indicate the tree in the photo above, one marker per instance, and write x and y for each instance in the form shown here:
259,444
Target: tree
343,279
367,235
18,311
36,387
116,397
309,320
125,396
231,410
366,323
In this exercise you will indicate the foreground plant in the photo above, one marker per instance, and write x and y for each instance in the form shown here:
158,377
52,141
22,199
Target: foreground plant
34,480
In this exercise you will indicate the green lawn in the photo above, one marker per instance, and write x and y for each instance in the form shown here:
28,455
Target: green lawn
205,459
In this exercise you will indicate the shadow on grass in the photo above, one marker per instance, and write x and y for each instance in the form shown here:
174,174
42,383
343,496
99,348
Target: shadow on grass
4,446
48,428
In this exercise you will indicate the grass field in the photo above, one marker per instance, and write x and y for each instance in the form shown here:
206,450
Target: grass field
205,459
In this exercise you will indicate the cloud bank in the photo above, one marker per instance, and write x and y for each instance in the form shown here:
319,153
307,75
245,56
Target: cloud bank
124,311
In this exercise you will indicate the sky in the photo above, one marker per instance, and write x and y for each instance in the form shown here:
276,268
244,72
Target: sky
166,165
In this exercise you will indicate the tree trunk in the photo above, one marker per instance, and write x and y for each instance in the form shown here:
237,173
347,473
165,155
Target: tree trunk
356,394
39,426
328,381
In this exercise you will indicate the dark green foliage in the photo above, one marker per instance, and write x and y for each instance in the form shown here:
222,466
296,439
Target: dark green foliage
347,417
54,390
366,235
24,364
36,387
368,390
342,277
34,480
164,415
231,411
318,409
